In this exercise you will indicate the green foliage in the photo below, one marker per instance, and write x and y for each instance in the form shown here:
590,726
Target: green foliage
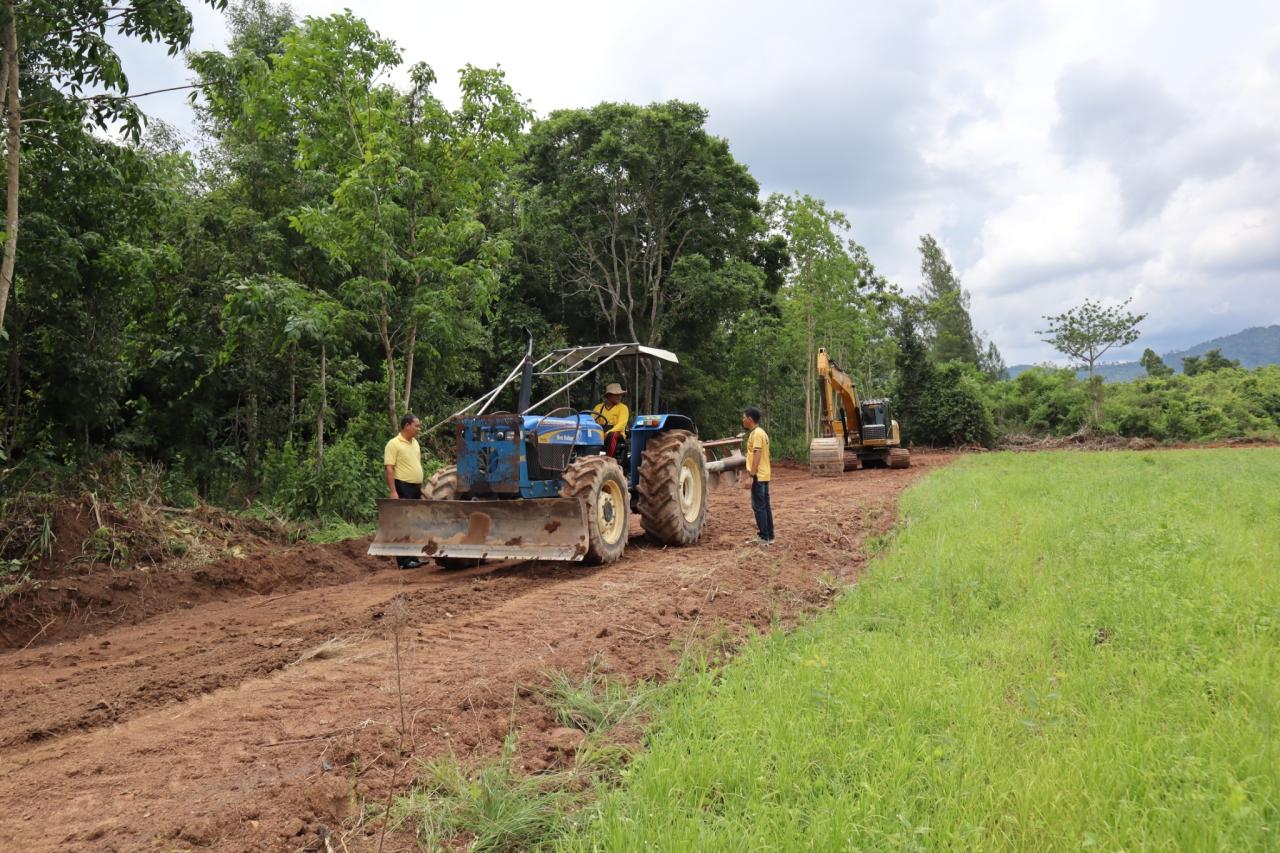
914,372
346,486
832,297
946,305
1040,401
943,405
66,50
1154,364
1203,407
1059,652
1088,332
953,409
617,196
1208,363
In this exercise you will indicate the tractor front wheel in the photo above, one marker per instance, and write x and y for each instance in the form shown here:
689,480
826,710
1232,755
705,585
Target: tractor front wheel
599,484
443,486
673,488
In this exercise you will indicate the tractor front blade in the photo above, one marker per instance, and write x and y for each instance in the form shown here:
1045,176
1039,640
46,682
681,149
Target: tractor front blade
542,529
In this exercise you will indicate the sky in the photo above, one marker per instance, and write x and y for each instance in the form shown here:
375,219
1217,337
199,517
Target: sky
1127,149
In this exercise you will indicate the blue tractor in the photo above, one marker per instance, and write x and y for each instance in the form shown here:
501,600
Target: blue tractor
542,486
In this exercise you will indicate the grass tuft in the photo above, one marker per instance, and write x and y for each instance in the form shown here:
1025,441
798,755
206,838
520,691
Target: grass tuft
496,806
595,702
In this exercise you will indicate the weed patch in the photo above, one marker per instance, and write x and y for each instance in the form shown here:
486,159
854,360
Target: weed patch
496,807
594,702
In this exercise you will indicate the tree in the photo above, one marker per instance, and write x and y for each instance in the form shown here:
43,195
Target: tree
915,372
619,195
95,218
822,285
950,327
410,182
990,361
1088,332
289,314
50,52
1211,361
1154,364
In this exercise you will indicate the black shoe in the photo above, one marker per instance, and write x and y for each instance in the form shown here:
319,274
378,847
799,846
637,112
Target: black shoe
411,564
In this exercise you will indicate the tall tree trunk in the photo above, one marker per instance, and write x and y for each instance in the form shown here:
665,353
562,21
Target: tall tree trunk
810,374
408,367
384,330
1095,390
320,410
13,391
251,435
14,129
293,388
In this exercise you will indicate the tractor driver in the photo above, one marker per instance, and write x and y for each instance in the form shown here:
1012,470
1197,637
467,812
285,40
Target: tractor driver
614,418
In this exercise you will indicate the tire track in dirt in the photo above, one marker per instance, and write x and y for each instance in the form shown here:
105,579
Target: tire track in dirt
211,736
97,681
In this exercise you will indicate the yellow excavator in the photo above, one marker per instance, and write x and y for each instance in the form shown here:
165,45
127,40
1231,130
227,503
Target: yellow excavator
852,432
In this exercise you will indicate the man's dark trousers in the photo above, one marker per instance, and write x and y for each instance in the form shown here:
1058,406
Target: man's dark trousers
407,492
760,506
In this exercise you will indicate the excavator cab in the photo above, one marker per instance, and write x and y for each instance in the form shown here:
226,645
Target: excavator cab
875,420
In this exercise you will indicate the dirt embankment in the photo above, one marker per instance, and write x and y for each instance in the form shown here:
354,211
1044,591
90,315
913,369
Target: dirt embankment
250,704
106,565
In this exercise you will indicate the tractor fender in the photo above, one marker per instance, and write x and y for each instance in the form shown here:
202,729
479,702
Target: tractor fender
663,423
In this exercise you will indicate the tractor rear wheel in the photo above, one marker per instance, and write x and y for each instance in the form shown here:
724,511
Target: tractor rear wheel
673,488
826,457
443,486
599,484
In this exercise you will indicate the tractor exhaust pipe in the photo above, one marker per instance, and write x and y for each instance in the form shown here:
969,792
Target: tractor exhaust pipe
526,376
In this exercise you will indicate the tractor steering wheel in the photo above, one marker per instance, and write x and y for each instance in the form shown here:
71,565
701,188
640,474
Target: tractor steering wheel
537,429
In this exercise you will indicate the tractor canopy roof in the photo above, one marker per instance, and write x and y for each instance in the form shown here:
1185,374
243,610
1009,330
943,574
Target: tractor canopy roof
586,355
563,368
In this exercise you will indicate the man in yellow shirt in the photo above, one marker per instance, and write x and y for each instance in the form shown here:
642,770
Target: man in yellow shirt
402,464
761,472
614,418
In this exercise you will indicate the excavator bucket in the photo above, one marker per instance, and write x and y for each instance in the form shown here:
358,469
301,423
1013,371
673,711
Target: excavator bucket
826,457
543,529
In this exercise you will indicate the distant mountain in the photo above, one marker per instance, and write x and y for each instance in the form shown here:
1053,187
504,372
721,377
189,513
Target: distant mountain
1254,347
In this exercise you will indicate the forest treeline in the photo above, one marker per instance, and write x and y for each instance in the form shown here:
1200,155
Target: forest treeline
252,313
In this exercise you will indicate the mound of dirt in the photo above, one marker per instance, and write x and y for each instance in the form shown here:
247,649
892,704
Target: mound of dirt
70,605
103,565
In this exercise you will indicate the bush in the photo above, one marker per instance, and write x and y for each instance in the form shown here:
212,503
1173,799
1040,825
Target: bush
952,409
1209,406
346,486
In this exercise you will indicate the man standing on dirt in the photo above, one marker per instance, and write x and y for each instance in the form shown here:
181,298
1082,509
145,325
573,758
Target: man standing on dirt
759,469
402,461
613,416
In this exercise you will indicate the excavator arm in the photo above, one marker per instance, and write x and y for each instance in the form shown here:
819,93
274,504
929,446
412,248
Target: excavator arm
837,389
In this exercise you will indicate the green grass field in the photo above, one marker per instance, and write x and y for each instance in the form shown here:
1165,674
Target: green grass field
1059,651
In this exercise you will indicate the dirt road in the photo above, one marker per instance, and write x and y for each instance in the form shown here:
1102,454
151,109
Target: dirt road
256,709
